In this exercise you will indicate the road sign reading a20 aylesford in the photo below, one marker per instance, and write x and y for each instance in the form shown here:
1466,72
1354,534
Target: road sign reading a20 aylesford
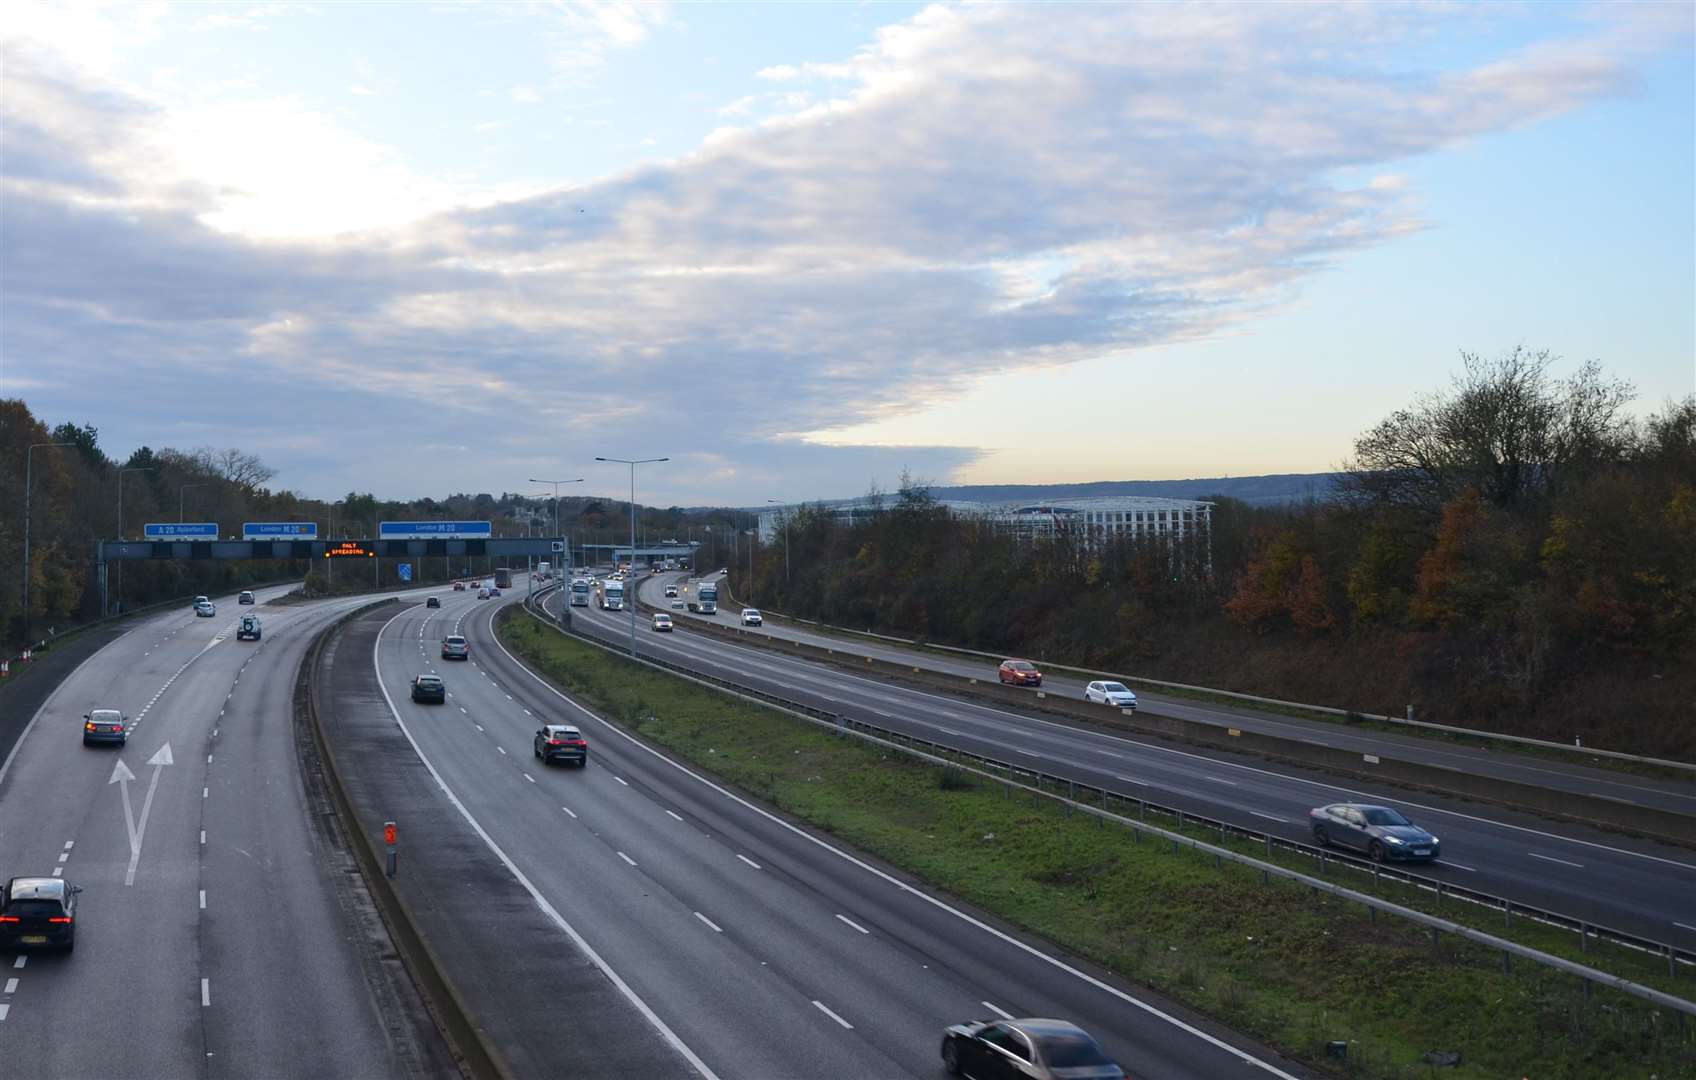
435,530
176,530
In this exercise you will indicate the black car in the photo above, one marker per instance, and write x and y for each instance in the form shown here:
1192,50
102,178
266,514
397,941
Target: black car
432,602
560,742
1380,831
38,913
429,688
1046,1049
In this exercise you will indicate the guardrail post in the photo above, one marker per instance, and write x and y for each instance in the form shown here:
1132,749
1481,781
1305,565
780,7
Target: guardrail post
1507,912
1436,940
1071,795
1584,944
1507,962
1672,967
1268,846
1372,915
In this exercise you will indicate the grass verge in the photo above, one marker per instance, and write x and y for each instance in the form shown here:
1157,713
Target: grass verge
1274,961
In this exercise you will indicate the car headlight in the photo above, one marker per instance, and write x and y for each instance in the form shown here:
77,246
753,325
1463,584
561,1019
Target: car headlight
1394,840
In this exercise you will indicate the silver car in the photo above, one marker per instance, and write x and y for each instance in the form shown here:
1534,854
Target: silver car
1379,831
1045,1049
204,609
1107,692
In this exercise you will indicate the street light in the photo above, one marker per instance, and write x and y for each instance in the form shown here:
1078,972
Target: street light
632,600
556,484
121,472
785,538
29,463
184,488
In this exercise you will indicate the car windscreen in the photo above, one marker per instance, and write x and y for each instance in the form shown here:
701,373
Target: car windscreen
35,909
1383,815
1072,1052
456,641
429,682
1022,666
1114,688
105,716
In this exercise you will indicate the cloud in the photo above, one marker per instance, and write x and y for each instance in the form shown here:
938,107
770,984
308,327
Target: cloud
525,95
779,73
994,188
361,90
740,107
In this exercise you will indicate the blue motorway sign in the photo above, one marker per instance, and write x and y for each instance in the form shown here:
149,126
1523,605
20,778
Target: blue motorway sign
405,569
176,530
279,530
435,530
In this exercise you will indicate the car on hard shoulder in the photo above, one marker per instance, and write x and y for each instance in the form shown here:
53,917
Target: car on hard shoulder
248,628
432,602
455,647
1019,673
482,594
459,586
662,621
560,742
752,617
38,913
204,609
429,688
671,590
1039,1048
105,726
1381,832
246,597
1107,692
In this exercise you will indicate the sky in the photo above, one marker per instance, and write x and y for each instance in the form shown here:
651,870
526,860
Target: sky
415,249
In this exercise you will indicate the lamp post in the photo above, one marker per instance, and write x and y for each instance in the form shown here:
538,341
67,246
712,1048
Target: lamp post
785,538
556,484
134,468
180,491
631,604
29,475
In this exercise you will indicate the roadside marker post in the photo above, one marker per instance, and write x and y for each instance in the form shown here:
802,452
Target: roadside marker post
391,837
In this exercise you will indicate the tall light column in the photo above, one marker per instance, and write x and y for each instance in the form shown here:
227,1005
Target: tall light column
29,475
630,601
785,536
135,468
556,484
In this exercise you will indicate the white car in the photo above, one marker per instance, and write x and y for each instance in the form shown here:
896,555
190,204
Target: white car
662,621
204,609
752,617
671,590
1115,694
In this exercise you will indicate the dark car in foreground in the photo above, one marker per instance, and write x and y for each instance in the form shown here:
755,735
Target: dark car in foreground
561,742
1045,1049
105,726
1379,831
38,913
429,688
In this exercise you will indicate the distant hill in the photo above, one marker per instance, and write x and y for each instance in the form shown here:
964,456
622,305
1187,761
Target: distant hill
1254,490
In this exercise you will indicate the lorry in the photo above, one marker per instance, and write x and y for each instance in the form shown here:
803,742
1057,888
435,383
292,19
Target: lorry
704,599
580,592
503,577
612,596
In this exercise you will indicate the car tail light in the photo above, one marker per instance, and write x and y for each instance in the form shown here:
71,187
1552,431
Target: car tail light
555,742
9,918
579,742
59,919
90,726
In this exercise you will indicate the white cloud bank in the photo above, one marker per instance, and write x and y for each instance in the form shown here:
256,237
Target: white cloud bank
996,187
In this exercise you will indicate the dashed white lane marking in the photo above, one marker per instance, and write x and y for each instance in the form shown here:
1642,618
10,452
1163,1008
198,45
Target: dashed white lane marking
479,727
462,709
698,915
627,858
749,861
1003,1013
674,814
58,871
822,1007
1131,780
205,792
202,899
11,986
63,855
527,712
622,780
502,749
569,810
4,1009
1551,858
1458,866
1268,817
208,759
1687,926
1220,780
203,836
19,962
69,844
205,993
854,924
530,778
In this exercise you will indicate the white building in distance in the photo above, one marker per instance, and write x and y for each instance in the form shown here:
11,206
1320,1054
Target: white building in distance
1092,520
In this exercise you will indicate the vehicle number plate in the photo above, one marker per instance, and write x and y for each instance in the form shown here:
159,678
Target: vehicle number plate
34,939
1422,851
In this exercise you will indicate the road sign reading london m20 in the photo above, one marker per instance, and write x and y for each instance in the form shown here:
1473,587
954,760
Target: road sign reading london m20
279,530
176,530
435,530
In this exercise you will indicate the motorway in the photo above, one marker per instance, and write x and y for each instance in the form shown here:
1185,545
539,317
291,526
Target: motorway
762,949
1634,886
217,932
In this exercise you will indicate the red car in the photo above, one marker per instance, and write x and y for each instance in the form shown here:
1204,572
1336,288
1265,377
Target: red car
459,586
1019,673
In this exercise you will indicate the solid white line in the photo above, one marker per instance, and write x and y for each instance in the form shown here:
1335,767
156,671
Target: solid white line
854,924
1190,1029
1269,817
1687,926
11,986
541,901
674,814
202,899
569,810
205,993
698,915
627,858
749,861
1003,1013
1220,780
826,1010
622,780
1548,858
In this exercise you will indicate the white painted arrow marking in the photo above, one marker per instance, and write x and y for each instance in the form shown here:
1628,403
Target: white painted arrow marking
122,776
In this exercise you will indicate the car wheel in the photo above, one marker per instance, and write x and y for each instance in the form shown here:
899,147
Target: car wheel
951,1057
70,946
1322,838
1375,851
